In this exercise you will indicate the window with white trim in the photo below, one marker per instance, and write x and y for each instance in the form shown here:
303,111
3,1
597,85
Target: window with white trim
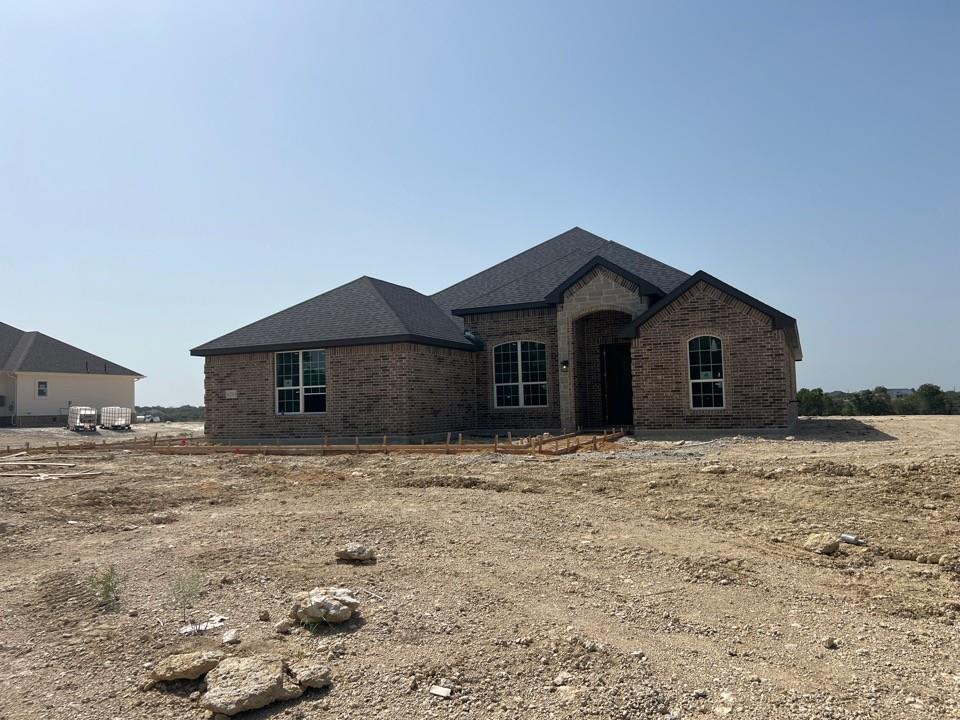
41,388
706,372
301,382
520,374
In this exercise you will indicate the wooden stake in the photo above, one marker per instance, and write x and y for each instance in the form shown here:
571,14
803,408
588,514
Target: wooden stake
385,451
356,441
496,442
448,444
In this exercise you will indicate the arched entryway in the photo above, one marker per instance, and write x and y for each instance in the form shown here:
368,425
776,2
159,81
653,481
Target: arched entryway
602,379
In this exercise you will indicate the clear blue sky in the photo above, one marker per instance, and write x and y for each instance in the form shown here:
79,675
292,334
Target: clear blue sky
171,171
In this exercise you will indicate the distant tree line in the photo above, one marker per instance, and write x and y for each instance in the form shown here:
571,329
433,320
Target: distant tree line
184,413
928,399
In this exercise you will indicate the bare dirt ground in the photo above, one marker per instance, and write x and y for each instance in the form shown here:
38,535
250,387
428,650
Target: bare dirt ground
18,437
621,584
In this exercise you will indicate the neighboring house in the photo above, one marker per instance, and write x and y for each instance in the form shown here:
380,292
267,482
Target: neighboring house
41,377
577,332
897,393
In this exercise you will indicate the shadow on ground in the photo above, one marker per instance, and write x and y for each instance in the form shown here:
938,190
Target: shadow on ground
839,430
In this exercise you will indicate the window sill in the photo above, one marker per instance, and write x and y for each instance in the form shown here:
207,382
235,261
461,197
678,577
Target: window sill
300,414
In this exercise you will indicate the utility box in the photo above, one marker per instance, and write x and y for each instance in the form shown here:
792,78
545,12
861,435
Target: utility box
115,418
82,419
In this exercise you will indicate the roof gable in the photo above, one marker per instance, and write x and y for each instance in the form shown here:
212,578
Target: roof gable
780,320
531,278
364,311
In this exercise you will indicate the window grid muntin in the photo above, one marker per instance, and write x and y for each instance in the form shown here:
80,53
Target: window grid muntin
300,366
520,374
705,363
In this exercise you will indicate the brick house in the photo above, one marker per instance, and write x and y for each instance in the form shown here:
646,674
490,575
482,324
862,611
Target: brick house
576,332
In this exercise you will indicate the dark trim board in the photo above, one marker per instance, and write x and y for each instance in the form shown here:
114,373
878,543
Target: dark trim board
645,288
322,344
460,312
781,321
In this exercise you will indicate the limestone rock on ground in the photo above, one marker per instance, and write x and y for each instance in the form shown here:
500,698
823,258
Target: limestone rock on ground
239,684
186,666
823,543
332,605
310,673
355,552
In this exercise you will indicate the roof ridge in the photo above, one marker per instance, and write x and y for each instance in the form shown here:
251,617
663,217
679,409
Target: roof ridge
295,305
373,284
519,254
517,278
647,257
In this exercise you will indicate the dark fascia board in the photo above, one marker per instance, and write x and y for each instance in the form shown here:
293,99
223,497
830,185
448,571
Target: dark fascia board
555,296
645,287
781,321
314,344
460,312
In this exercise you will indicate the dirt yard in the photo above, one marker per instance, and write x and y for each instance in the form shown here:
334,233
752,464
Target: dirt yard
653,580
18,437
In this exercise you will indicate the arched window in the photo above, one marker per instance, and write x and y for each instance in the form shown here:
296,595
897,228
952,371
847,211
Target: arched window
706,372
520,374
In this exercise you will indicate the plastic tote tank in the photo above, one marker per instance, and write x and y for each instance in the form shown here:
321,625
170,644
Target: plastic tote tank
115,417
82,418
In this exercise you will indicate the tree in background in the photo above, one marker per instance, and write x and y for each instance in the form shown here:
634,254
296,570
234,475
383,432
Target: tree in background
872,402
932,401
928,399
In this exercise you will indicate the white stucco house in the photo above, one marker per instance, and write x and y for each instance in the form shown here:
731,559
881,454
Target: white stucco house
41,377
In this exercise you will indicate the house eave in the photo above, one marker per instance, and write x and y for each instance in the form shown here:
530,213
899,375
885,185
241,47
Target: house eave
200,351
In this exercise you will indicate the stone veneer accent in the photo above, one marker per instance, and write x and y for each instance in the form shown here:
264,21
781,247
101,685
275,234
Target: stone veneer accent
600,289
759,370
400,389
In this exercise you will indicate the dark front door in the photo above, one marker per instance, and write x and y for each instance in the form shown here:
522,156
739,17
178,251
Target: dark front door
617,383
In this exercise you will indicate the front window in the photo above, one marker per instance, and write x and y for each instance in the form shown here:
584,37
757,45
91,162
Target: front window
706,372
41,388
520,374
301,382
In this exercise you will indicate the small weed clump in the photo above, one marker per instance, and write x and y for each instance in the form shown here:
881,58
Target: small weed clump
106,584
185,590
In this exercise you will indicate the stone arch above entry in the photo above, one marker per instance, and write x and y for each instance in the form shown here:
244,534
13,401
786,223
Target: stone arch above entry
600,290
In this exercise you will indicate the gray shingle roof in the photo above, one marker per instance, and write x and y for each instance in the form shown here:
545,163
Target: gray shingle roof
35,352
363,311
528,278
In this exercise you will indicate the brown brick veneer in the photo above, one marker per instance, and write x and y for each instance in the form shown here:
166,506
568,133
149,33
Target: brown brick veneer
398,389
539,325
760,381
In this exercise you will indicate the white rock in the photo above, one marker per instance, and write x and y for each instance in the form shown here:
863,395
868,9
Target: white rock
310,673
239,684
231,637
332,605
822,543
355,552
186,666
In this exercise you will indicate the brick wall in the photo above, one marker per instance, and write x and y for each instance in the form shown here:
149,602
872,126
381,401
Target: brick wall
759,380
539,325
396,389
